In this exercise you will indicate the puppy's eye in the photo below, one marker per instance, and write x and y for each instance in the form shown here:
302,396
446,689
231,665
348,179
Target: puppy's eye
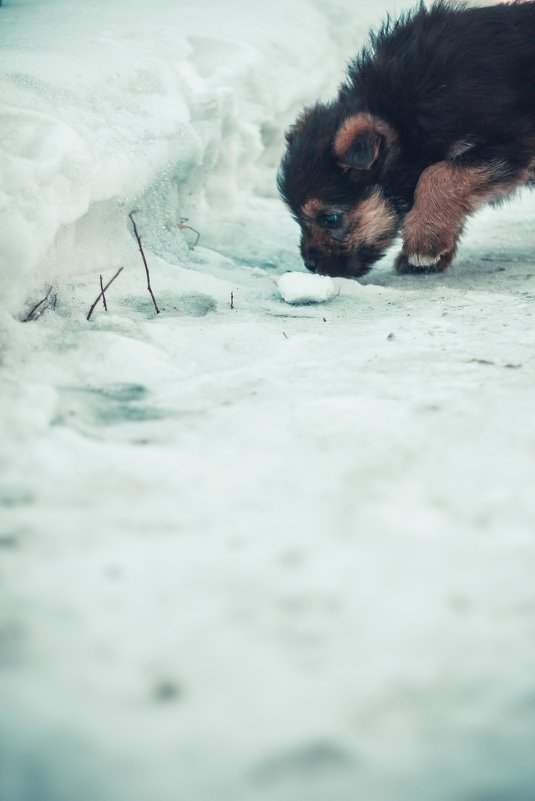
330,221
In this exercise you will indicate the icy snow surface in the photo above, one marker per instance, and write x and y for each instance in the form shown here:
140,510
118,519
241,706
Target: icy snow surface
261,552
302,288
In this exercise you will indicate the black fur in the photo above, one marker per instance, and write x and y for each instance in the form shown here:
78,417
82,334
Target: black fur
436,77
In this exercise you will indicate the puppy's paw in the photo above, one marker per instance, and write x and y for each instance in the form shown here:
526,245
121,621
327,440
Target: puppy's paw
426,243
428,251
419,261
404,265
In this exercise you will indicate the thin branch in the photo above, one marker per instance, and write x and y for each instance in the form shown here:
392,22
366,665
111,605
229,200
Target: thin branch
183,225
37,305
144,260
102,291
103,295
232,300
40,313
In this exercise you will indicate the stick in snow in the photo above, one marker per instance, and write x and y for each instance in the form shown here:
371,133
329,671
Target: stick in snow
103,295
144,260
30,315
103,290
183,224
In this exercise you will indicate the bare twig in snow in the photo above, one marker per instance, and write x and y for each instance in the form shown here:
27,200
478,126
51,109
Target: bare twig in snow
151,293
37,306
183,225
40,313
102,291
103,295
232,300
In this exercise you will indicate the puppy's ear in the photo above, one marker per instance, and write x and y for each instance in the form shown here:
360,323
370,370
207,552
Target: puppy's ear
363,151
361,140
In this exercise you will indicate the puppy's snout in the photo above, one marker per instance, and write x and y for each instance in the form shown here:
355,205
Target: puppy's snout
310,258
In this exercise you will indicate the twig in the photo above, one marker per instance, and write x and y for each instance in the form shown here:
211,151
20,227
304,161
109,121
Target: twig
92,309
30,315
183,224
479,361
232,300
103,295
40,312
144,260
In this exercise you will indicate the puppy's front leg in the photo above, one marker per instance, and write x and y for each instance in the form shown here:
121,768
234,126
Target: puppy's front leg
444,196
446,193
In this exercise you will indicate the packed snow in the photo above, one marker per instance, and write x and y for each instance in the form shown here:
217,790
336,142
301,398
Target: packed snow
248,550
302,288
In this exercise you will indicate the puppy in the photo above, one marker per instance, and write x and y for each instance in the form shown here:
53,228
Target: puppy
435,119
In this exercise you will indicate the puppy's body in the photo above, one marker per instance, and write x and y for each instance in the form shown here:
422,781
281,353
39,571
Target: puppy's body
435,119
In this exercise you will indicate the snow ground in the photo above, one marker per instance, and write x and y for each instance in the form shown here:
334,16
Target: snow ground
267,552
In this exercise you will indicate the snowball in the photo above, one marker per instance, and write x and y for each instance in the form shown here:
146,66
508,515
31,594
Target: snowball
305,288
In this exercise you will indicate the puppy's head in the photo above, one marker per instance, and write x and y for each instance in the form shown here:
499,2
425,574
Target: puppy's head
331,177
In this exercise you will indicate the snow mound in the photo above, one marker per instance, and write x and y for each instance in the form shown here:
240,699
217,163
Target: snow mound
177,110
303,288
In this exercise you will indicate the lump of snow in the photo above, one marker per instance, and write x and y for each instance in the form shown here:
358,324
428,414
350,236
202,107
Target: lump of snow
305,288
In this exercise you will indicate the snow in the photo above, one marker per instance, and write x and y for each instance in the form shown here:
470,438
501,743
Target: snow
302,288
248,551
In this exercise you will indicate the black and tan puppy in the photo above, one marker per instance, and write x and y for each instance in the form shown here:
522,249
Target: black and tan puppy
436,118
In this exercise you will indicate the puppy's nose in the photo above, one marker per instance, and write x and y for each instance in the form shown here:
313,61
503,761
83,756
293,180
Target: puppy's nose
311,264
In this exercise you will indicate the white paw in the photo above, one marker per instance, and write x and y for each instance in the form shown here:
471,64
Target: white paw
422,261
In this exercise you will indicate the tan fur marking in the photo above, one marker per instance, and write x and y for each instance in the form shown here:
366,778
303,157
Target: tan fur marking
502,190
444,196
373,220
357,124
319,240
312,207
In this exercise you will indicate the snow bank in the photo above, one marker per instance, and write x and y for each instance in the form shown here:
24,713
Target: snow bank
178,109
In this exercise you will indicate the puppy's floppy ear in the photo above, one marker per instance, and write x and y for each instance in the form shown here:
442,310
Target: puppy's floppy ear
363,151
361,140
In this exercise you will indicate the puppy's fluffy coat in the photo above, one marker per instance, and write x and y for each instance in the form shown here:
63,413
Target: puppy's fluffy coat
435,119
